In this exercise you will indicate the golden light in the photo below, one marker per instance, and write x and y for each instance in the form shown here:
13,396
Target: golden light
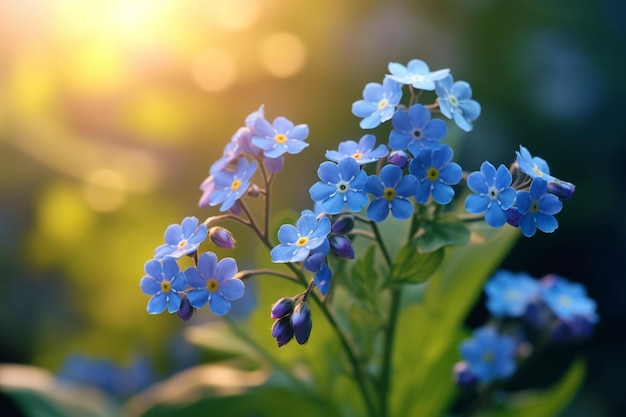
282,54
213,70
236,14
104,189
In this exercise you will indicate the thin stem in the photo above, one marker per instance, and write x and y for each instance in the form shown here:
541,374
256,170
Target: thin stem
381,243
262,271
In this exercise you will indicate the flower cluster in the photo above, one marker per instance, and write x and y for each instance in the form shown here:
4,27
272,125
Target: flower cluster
526,315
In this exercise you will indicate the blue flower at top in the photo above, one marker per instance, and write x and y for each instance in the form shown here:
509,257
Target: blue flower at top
414,130
231,185
342,185
378,104
363,152
537,208
568,300
214,282
455,102
435,174
509,294
416,73
391,191
533,166
494,196
163,281
297,242
182,239
280,137
489,355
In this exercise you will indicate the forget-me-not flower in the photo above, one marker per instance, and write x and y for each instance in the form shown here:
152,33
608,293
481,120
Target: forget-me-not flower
509,294
163,281
494,196
391,191
455,102
232,185
435,174
213,282
280,137
533,166
537,208
416,73
490,356
181,239
378,104
341,185
414,130
297,242
363,151
568,300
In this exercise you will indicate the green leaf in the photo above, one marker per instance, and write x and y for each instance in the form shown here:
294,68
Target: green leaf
445,231
363,280
412,267
37,393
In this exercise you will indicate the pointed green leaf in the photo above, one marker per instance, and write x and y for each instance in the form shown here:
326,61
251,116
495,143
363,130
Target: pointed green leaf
412,267
445,231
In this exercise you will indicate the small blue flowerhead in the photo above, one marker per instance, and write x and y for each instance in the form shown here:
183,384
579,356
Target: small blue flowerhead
280,137
416,73
533,166
509,294
537,208
296,242
163,281
341,186
567,300
455,102
494,196
414,130
391,191
214,282
316,262
183,239
378,104
364,152
435,174
230,186
489,355
301,322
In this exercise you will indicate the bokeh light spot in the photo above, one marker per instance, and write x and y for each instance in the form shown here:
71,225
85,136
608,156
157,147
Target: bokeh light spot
283,54
213,70
104,190
236,14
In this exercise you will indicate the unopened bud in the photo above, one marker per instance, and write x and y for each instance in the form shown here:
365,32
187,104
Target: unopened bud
341,246
562,189
463,376
343,224
301,322
222,238
282,331
399,158
281,308
254,191
186,310
512,216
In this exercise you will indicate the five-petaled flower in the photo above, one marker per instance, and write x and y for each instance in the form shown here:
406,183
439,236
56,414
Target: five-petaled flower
533,166
435,174
416,74
165,282
231,185
296,242
567,300
414,130
181,239
493,193
537,208
490,356
213,282
510,294
363,151
378,104
341,185
455,102
280,137
391,191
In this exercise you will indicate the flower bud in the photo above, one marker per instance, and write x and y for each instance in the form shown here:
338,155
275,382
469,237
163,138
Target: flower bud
399,158
221,237
342,224
274,165
562,189
512,216
282,331
301,322
577,328
185,312
281,308
341,246
463,376
254,191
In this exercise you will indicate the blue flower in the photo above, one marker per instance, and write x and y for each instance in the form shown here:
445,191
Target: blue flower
213,282
182,239
416,73
163,281
455,102
391,191
363,152
414,130
533,166
342,185
316,262
537,208
378,104
230,186
494,196
280,137
489,355
568,300
296,242
510,294
435,174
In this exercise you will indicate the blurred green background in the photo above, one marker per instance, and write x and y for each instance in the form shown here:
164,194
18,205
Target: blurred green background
111,113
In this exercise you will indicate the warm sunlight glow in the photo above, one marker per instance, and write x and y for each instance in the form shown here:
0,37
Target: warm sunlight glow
213,70
104,190
283,54
236,14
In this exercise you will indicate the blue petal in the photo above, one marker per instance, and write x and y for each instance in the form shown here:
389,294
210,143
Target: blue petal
322,229
462,90
157,304
401,208
489,173
399,141
374,186
293,147
373,92
321,191
506,197
276,151
371,121
174,302
423,191
199,236
349,168
378,210
226,269
527,225
232,289
471,109
334,204
538,188
263,143
170,268
495,216
462,122
419,116
441,157
451,174
407,186
299,132
401,121
442,193
356,201
477,183
179,282
546,222
198,298
329,172
288,233
322,279
173,234
503,177
390,175
523,201
550,204
306,223
207,263
149,285
363,108
367,142
219,305
358,183
416,168
435,129
282,253
194,279
477,204
154,269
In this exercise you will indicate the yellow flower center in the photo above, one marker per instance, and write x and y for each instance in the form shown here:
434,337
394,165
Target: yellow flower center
389,193
280,138
432,174
212,285
454,102
488,357
166,286
565,301
302,241
181,245
534,207
235,185
357,155
383,103
538,171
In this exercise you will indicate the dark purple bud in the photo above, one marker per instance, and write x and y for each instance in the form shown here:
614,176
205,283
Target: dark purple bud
254,191
301,322
221,237
577,328
341,246
282,331
314,261
281,308
399,158
463,376
274,165
562,189
185,312
512,216
343,224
